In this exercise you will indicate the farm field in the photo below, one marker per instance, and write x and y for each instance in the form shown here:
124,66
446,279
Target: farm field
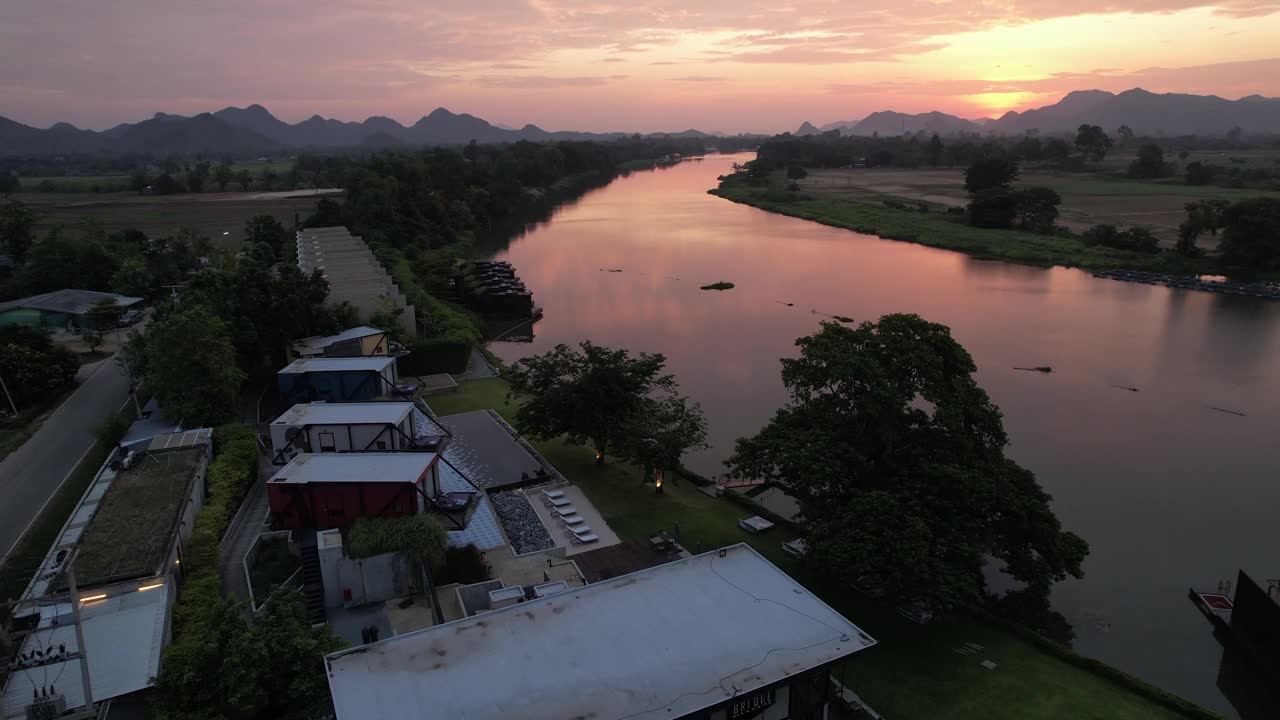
1087,199
210,213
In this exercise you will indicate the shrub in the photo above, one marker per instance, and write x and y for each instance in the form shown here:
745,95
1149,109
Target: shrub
421,536
435,355
993,208
1137,239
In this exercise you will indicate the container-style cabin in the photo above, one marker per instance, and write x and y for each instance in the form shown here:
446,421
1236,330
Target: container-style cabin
324,427
323,491
338,380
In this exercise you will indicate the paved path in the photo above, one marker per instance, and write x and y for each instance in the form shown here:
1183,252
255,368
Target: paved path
30,475
245,527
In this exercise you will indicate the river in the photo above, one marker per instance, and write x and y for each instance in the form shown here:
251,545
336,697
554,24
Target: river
1168,491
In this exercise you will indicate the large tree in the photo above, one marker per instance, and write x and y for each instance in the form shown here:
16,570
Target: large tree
990,173
266,229
664,430
1251,234
1092,142
588,395
17,226
227,664
896,457
32,366
188,362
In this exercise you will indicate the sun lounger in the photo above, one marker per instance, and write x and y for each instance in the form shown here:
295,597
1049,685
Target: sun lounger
572,520
567,510
554,494
584,539
560,502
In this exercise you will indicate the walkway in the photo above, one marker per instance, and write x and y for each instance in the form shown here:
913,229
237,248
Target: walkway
246,526
478,368
31,475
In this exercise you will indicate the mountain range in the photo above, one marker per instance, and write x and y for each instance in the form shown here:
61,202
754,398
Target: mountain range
254,129
1145,112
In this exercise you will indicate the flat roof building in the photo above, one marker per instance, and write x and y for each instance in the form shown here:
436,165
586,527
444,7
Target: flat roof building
363,341
345,379
333,490
724,635
58,310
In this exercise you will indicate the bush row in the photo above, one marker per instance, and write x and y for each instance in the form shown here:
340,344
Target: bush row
230,475
435,355
1179,705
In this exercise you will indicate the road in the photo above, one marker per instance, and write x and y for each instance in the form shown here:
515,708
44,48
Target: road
30,475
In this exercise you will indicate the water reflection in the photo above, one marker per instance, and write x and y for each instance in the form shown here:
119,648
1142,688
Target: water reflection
1168,492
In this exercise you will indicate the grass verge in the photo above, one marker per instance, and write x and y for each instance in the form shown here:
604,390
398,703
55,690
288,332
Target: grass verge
272,565
915,671
936,229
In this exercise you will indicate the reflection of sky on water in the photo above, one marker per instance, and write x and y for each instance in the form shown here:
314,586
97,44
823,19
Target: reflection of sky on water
1168,492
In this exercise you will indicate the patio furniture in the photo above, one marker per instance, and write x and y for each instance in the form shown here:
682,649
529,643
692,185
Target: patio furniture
755,524
581,530
661,542
796,548
572,520
567,510
560,501
453,500
584,539
554,494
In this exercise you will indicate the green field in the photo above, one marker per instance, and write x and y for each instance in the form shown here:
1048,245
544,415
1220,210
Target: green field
163,215
937,229
914,673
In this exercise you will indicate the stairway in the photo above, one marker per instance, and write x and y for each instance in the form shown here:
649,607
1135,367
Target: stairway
312,585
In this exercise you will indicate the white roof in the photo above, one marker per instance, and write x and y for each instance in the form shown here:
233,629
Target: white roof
659,643
123,634
306,365
324,341
354,467
365,413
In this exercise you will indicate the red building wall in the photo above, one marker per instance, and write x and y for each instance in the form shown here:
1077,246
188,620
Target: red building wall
321,506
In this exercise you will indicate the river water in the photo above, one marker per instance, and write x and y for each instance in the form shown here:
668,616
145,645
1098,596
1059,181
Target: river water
1168,491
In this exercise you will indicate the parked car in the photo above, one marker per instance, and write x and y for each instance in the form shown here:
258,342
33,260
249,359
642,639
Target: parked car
128,318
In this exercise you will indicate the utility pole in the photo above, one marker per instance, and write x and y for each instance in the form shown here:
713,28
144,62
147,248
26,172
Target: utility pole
10,397
75,618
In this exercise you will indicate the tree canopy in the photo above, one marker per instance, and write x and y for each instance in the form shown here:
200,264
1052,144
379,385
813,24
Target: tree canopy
32,365
1251,234
896,457
588,394
1092,142
663,430
188,362
990,172
1150,162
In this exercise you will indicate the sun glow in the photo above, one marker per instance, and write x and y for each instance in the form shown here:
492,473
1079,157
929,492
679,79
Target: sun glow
998,103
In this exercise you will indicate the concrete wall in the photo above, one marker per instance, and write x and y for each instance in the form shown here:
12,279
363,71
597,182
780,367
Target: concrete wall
349,582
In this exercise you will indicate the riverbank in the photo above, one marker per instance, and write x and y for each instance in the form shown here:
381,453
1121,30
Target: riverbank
938,229
915,670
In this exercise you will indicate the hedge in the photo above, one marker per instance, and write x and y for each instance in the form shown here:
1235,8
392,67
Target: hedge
230,475
1071,657
421,536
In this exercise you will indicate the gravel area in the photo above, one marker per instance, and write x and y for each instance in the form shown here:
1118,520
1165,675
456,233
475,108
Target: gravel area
524,529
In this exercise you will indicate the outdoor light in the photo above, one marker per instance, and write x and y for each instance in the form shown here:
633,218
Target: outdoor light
92,598
153,586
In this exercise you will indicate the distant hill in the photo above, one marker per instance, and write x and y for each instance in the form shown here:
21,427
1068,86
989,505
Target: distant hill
1143,111
254,129
895,123
1146,112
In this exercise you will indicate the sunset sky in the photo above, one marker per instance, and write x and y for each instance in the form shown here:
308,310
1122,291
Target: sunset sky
717,65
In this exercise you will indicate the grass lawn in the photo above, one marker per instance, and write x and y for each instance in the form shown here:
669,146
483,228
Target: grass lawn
162,215
936,229
914,672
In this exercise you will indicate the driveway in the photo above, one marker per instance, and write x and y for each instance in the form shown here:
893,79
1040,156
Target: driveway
30,475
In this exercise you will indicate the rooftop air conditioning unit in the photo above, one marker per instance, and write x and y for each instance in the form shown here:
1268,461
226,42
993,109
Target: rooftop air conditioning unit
502,597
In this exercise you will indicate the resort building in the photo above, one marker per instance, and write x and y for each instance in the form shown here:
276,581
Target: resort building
724,635
354,274
363,341
353,379
60,310
344,427
120,556
322,491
